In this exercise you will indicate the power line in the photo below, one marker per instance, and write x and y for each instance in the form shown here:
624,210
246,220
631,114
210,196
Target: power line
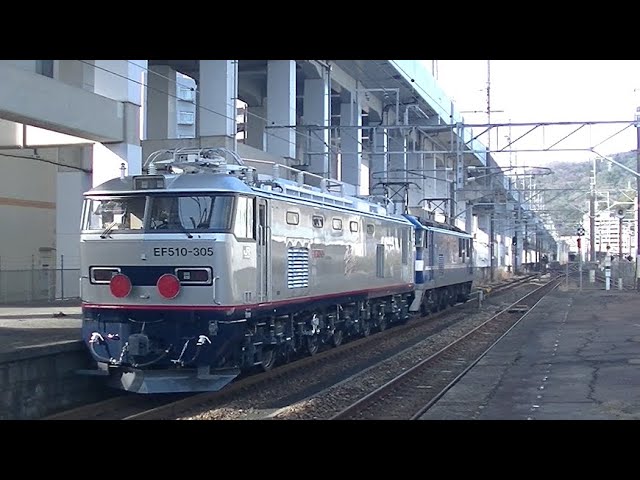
40,159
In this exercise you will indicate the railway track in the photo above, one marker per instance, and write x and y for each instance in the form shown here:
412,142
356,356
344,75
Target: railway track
410,394
136,407
116,408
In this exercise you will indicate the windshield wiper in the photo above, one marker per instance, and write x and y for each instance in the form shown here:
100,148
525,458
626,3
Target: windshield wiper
106,231
184,230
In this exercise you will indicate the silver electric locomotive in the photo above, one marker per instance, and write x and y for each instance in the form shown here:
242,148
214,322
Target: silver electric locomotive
202,268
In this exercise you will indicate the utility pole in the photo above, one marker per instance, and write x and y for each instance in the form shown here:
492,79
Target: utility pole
592,215
620,237
492,245
489,103
637,195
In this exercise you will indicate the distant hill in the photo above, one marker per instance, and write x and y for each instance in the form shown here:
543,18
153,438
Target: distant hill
566,198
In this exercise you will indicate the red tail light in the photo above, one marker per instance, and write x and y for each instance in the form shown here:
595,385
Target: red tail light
168,285
120,285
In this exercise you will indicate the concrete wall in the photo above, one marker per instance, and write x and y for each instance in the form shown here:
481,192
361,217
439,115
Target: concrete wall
47,103
27,209
40,207
41,381
70,187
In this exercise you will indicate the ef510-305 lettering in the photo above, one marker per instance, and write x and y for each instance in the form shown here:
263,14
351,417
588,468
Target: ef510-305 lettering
182,251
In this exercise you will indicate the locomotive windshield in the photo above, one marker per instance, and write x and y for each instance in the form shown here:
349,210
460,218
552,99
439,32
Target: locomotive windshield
159,213
193,213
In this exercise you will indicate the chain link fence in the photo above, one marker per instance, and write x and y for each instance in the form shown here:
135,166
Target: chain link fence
38,283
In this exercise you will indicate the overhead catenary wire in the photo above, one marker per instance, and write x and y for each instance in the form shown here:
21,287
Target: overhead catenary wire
37,158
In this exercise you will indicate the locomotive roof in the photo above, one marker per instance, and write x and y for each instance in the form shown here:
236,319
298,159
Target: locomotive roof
218,182
223,182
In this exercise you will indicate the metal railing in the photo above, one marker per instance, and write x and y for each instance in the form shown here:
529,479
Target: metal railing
39,284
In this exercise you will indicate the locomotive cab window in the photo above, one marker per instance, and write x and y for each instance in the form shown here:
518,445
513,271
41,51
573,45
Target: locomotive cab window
353,226
293,218
122,213
179,213
243,225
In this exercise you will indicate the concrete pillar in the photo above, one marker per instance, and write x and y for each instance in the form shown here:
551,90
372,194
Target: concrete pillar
216,99
316,112
397,160
468,218
11,134
484,225
379,161
442,186
502,244
457,186
161,115
430,165
416,190
256,121
397,169
120,80
351,140
281,108
365,166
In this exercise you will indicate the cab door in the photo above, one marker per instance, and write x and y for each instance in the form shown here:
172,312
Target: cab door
263,250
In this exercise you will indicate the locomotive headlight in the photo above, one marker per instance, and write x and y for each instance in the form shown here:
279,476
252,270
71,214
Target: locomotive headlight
168,285
148,182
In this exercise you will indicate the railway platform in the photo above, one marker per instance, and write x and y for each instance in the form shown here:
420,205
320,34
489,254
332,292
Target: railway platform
575,356
35,325
40,351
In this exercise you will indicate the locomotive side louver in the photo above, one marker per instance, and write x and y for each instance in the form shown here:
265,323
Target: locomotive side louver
297,267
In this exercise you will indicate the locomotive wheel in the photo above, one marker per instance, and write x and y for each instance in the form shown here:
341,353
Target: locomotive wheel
453,297
313,344
440,300
435,306
336,338
382,323
269,357
366,328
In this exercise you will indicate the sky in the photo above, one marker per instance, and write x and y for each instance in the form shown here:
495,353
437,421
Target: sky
527,91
